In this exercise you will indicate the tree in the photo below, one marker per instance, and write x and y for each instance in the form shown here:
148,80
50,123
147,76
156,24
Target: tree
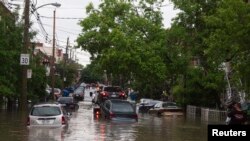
126,38
10,48
92,73
70,71
229,40
202,80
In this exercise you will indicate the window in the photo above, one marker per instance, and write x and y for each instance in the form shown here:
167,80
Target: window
65,100
112,89
46,111
122,107
169,104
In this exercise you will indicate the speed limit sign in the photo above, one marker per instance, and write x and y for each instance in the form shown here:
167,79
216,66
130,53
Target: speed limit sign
25,59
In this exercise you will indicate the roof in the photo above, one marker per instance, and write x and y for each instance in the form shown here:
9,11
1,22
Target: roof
119,100
47,104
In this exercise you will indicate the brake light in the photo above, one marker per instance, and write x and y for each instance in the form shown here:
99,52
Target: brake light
104,94
63,120
28,121
122,94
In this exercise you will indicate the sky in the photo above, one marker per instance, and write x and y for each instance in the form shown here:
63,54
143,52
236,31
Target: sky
68,16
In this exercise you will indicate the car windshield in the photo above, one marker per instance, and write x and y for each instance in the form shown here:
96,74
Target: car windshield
145,100
122,107
169,104
112,89
46,111
64,100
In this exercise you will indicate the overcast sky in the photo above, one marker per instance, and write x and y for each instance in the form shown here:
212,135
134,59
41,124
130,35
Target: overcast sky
68,17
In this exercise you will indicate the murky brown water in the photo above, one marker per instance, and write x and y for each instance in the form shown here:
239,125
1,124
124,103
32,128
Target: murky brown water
84,127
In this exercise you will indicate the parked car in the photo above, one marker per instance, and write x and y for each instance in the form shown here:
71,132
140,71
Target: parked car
68,103
146,104
111,92
118,110
79,93
167,106
48,114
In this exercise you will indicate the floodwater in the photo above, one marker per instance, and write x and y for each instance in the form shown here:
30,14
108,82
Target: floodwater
83,126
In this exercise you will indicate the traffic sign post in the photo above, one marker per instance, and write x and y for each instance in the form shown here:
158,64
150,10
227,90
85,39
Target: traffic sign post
24,59
29,73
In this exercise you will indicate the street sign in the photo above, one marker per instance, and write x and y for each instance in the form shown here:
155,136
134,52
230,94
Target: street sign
29,73
24,59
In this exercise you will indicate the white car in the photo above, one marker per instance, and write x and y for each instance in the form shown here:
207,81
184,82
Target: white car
51,114
168,107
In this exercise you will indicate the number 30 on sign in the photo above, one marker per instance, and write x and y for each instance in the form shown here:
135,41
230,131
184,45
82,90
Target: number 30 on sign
24,59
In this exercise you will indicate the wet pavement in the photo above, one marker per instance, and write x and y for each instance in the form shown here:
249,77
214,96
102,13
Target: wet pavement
83,126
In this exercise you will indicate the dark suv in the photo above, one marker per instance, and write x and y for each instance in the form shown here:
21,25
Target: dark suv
68,103
78,93
111,92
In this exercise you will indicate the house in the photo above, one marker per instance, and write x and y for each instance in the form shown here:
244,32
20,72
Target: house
48,51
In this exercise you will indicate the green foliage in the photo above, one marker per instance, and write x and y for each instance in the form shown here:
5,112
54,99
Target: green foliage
91,74
203,83
69,70
229,40
126,39
10,47
37,84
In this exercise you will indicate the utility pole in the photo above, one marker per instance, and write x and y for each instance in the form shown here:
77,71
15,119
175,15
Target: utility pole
23,100
52,69
67,47
65,61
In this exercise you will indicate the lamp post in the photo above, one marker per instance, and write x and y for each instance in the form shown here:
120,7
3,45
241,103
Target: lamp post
24,59
53,4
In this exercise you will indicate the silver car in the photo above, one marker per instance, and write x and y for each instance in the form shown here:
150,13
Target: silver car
48,115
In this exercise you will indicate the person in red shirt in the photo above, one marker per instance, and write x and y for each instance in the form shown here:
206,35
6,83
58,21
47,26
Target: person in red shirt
236,114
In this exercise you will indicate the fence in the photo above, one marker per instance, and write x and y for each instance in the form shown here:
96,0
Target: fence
205,114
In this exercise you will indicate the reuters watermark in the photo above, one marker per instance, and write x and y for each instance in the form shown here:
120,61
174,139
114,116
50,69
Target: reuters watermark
228,131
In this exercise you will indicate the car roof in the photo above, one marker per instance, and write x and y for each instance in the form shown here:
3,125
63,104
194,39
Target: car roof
47,104
118,101
65,97
169,102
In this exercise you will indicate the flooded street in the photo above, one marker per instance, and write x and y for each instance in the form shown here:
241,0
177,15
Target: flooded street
83,126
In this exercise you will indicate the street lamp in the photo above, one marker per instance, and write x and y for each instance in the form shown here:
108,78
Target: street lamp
24,59
53,4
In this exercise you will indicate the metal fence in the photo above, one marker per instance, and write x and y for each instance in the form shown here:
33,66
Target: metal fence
205,114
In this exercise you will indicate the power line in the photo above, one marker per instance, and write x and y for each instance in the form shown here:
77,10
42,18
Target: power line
62,29
65,18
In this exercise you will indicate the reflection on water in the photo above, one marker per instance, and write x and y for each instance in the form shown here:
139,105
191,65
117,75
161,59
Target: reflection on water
46,134
83,126
169,129
11,126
